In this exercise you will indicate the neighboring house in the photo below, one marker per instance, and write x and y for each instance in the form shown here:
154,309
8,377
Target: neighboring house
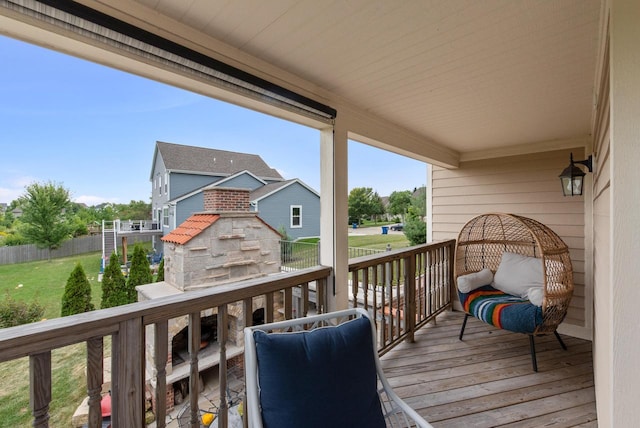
180,173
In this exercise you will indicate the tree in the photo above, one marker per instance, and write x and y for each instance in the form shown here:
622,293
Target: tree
134,210
43,215
77,293
114,287
160,276
140,272
419,201
360,205
377,206
399,202
415,229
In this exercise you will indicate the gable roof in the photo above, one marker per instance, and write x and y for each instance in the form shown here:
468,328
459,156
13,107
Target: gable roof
271,188
190,228
217,184
202,160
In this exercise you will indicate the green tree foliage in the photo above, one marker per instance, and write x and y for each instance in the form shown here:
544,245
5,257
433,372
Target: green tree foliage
377,206
134,210
361,204
415,229
114,286
419,201
399,202
13,313
43,215
160,276
77,293
140,272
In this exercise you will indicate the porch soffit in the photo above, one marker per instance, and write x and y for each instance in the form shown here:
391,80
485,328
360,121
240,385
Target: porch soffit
469,76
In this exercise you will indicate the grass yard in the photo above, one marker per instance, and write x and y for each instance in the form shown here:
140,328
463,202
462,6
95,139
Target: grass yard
44,282
379,241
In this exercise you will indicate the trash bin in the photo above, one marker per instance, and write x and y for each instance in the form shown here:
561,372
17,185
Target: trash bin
355,225
385,230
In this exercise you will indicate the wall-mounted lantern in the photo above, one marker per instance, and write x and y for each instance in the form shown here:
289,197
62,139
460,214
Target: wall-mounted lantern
572,177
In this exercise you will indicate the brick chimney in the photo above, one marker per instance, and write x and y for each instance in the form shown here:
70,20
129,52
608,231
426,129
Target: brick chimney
226,199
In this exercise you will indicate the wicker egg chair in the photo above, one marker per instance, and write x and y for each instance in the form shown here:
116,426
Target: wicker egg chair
481,244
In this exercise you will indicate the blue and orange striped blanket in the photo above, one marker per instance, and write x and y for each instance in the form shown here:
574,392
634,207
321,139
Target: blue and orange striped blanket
502,310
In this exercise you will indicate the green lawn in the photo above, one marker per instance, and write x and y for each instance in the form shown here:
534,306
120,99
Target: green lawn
379,241
44,281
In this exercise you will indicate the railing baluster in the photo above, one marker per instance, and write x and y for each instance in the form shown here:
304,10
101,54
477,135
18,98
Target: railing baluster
268,301
40,388
305,299
95,372
288,303
161,340
127,378
222,341
194,372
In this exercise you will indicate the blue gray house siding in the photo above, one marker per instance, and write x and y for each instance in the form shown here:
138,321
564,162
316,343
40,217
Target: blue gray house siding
276,210
182,183
244,181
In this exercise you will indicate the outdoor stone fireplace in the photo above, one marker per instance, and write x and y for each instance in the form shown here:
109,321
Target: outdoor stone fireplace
225,243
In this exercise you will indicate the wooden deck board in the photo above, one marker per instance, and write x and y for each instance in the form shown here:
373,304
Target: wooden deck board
486,380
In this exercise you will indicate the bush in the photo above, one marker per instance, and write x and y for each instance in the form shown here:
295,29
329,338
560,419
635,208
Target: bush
140,272
14,313
14,239
160,276
114,286
415,229
77,293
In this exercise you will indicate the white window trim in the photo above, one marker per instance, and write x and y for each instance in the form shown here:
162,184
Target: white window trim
291,216
165,218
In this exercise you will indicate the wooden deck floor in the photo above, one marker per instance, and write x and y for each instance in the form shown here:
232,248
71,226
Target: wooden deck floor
487,379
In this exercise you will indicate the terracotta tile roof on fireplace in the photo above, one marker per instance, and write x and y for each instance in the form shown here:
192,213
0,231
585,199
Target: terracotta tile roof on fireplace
190,228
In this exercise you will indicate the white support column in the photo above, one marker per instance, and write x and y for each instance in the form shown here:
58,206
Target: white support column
334,212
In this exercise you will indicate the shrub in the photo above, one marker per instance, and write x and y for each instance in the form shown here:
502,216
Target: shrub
414,228
77,293
114,287
140,272
14,313
160,276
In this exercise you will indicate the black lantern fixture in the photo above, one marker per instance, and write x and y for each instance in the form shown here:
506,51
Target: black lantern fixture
572,177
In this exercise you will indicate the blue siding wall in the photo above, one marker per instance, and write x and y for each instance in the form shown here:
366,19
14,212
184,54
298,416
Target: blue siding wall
244,181
276,209
181,184
188,206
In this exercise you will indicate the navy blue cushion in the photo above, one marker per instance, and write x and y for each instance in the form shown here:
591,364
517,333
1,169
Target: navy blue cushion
320,378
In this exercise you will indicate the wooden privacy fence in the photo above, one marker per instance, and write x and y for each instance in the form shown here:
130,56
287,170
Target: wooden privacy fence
71,247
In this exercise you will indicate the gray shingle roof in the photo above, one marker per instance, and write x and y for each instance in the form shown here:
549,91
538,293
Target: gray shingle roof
192,159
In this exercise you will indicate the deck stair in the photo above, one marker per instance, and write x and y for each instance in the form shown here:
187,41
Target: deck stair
109,240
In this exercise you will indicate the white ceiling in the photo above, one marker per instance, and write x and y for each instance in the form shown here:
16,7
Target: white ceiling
471,75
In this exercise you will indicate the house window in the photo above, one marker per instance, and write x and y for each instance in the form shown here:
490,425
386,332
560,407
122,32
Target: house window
159,185
166,183
296,215
165,216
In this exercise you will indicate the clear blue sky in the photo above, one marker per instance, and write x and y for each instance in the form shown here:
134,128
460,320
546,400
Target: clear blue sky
93,130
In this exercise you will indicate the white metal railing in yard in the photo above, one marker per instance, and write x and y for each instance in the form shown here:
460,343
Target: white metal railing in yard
124,226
